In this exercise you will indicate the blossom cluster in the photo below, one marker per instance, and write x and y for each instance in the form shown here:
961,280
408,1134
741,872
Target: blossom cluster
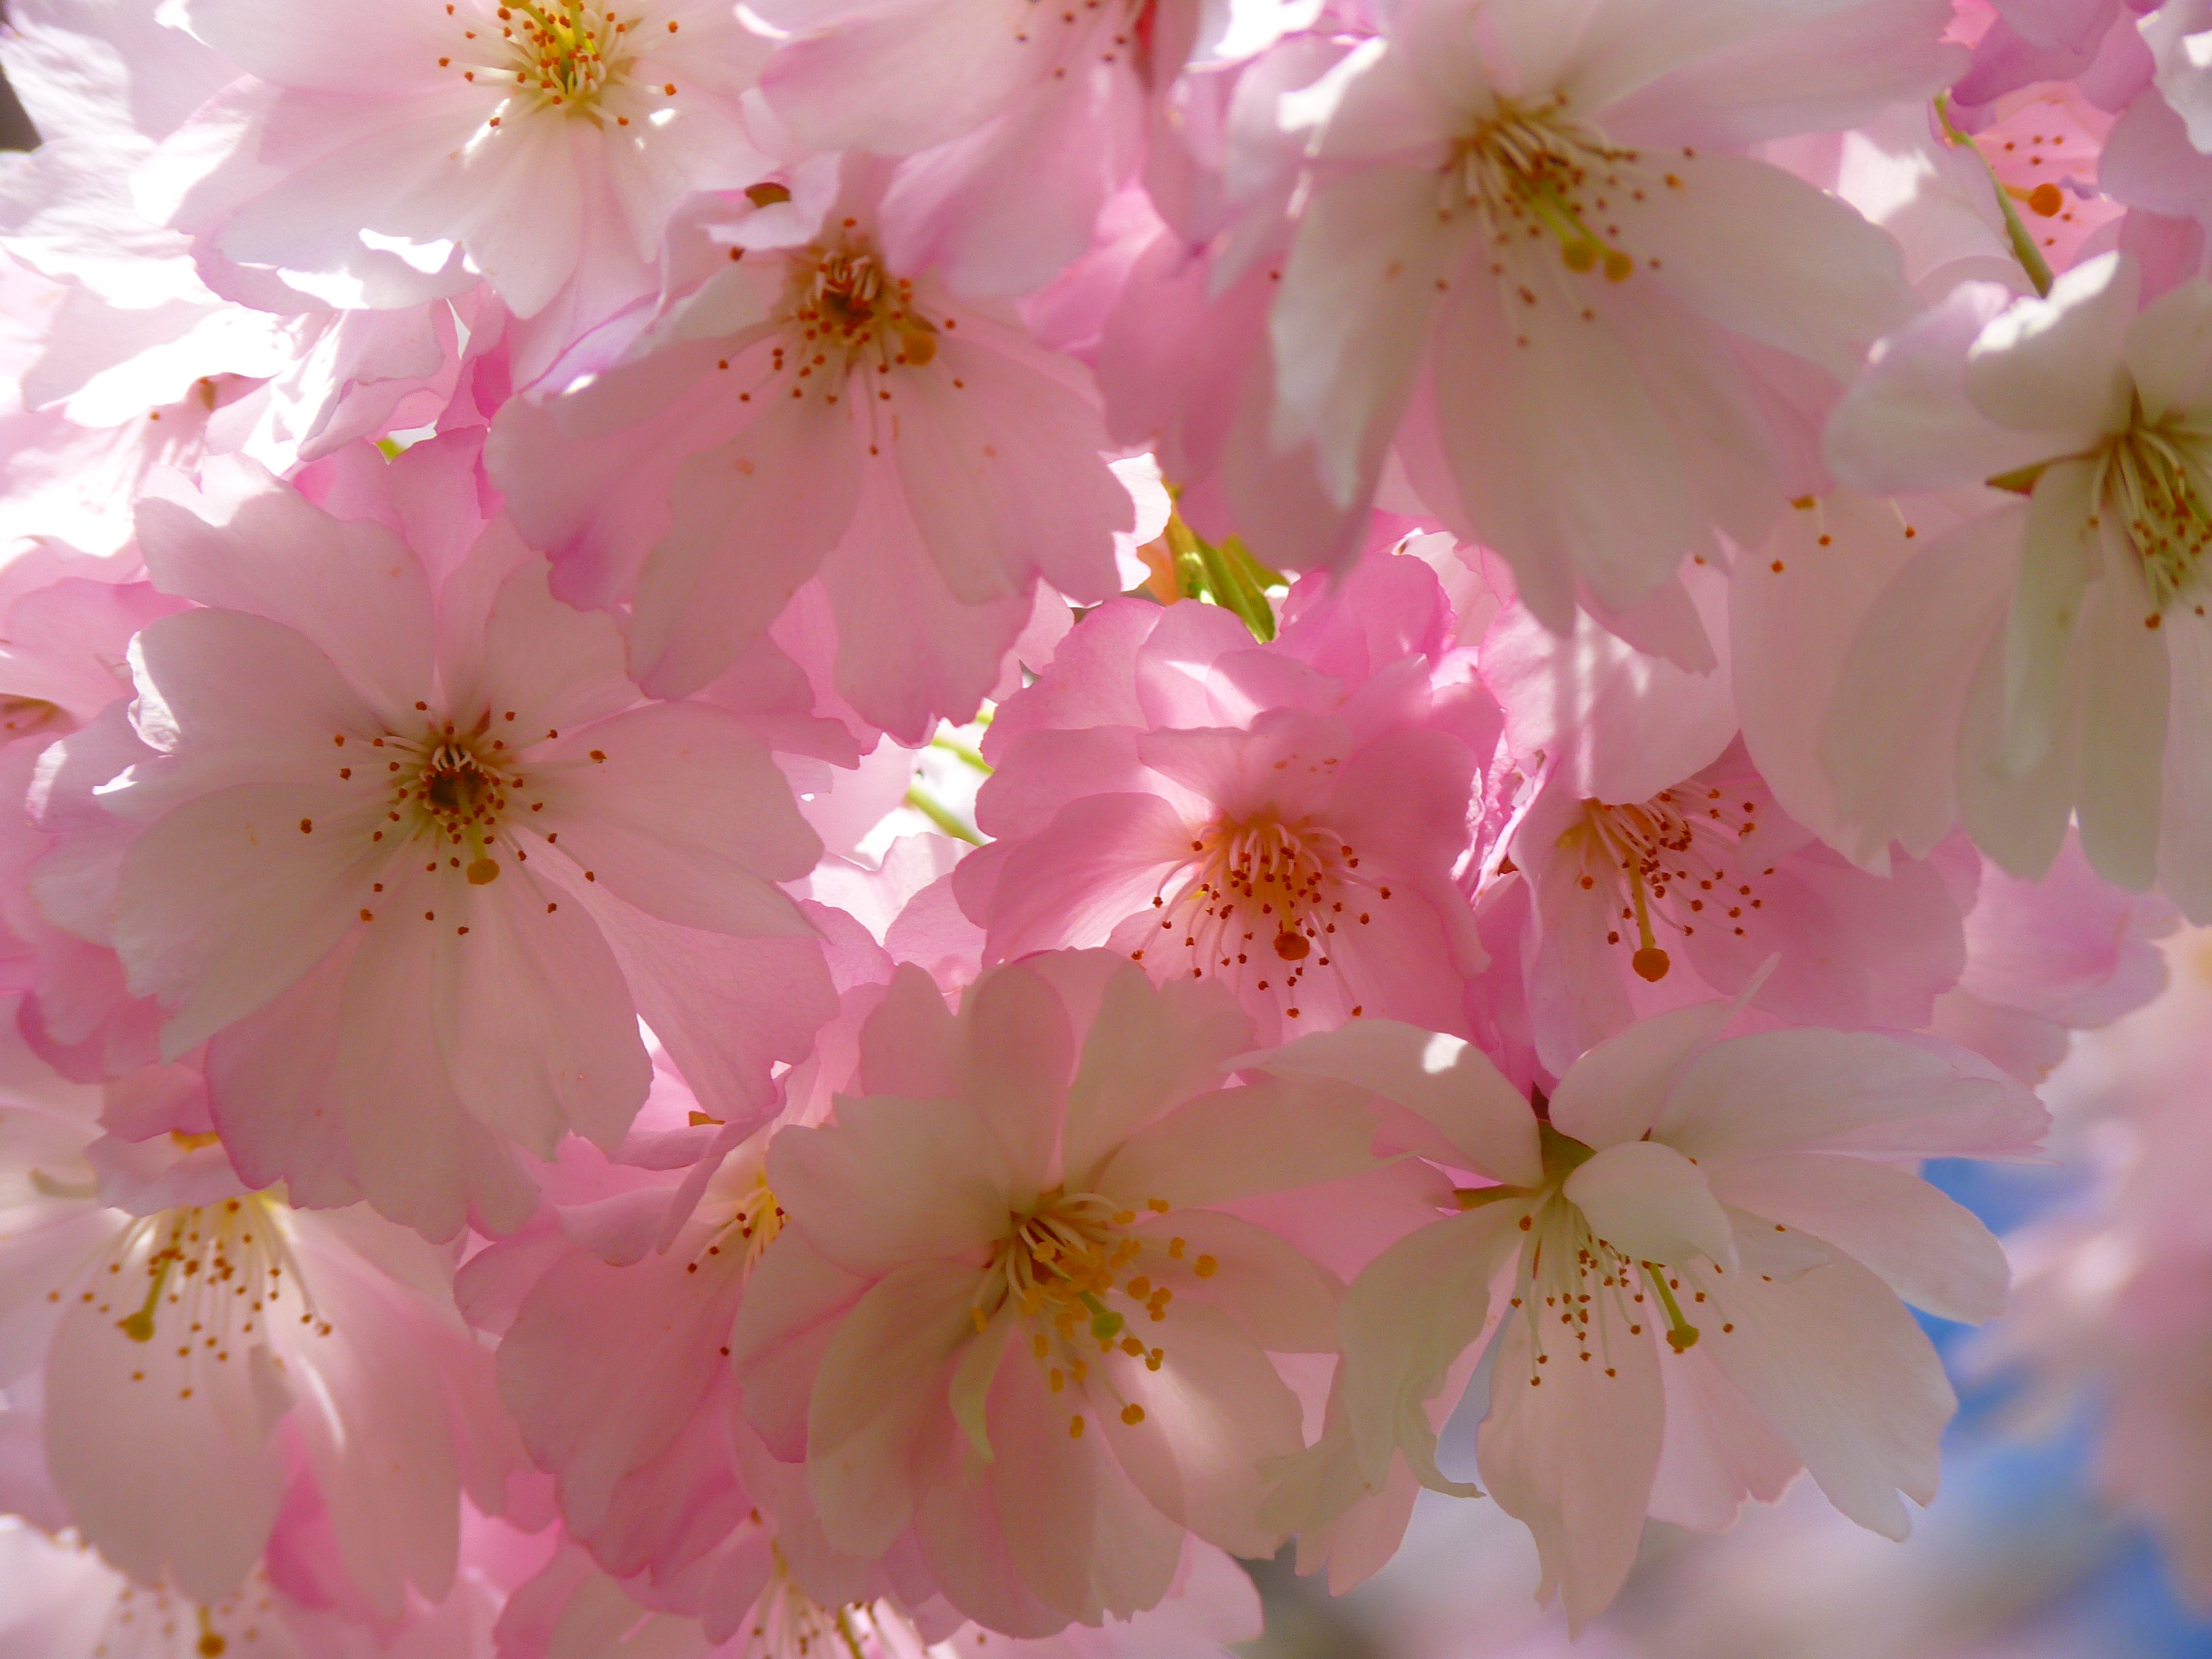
851,827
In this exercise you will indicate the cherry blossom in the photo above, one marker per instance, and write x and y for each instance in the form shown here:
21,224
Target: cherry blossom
382,159
813,408
879,829
201,1342
1692,1263
2071,628
1013,1308
1525,244
425,742
1283,819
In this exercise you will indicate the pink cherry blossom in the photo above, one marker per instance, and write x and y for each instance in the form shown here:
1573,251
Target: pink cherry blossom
812,409
1021,123
2047,958
1660,869
1641,905
1525,258
205,1347
64,664
698,960
417,734
1014,1312
378,160
615,1367
1282,818
1693,1263
2058,644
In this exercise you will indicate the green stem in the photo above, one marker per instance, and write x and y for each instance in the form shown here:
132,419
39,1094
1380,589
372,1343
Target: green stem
961,752
2016,233
941,815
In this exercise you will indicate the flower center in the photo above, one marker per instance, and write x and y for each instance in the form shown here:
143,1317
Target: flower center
1535,172
1265,901
1667,862
138,1611
1568,1277
749,1225
203,1278
565,54
569,57
789,1624
843,310
1059,1263
450,788
2159,480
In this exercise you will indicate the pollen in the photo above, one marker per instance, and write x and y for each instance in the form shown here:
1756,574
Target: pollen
1533,170
560,57
1259,901
1656,864
2156,481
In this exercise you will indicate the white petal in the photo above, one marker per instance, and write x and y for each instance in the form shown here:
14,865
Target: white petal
2184,856
1929,1250
1839,1367
1571,1446
2124,675
1352,317
1776,1089
1652,1204
2056,364
1614,1093
160,1455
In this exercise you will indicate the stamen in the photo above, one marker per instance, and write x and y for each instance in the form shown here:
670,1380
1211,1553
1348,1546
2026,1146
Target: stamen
1681,1334
1679,860
2157,481
1537,167
1265,903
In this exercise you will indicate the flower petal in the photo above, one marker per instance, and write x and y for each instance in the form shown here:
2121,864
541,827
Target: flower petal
1651,1203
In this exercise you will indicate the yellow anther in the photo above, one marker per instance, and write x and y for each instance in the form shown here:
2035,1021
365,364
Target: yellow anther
1075,1428
1205,1266
1133,1415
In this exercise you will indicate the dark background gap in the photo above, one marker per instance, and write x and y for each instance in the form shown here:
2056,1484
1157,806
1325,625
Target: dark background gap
16,131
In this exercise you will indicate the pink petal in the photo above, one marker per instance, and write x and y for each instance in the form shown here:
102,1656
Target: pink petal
1446,1082
246,541
872,1412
